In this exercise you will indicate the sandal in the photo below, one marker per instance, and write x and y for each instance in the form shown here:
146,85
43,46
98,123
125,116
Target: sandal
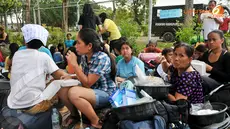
71,121
98,126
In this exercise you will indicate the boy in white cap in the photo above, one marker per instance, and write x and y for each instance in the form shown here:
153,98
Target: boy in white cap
29,70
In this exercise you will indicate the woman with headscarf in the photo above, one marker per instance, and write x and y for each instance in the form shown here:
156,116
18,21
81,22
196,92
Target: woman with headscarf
88,19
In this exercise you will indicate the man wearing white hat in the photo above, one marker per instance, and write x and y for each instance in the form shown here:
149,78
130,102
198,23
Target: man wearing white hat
28,75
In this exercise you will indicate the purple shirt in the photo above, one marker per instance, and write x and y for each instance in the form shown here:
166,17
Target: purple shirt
188,84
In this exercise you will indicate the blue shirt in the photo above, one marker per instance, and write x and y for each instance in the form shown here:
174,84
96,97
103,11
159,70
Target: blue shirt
58,58
126,70
69,43
100,64
41,49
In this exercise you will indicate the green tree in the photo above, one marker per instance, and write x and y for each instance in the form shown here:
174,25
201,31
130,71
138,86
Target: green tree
6,6
49,15
188,8
137,8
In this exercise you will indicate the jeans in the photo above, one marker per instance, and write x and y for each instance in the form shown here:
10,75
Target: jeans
37,121
102,98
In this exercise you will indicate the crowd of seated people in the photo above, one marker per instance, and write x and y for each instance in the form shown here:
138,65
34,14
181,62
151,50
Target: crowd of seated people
166,59
185,79
126,67
100,72
151,47
199,51
151,56
57,56
8,61
217,61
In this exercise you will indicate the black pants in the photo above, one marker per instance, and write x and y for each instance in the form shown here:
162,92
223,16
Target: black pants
113,44
209,84
38,121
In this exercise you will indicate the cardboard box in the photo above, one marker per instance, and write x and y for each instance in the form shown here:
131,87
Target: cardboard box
199,66
123,97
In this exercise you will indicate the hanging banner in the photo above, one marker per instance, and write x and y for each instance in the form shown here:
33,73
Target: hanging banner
170,13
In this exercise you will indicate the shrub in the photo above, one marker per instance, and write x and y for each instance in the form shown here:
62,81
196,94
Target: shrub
16,37
130,30
56,36
227,38
189,33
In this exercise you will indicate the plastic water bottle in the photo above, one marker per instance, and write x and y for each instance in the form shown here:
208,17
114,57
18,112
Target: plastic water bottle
55,119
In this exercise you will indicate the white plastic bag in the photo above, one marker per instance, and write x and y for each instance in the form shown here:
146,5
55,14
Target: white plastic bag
140,75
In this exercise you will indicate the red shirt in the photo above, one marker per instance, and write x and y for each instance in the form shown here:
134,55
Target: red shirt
224,25
1,57
152,50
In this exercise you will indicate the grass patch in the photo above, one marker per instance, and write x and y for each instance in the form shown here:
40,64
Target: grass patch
163,45
142,41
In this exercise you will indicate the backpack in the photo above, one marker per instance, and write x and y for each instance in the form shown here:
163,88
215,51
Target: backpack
165,113
158,122
110,120
222,96
10,123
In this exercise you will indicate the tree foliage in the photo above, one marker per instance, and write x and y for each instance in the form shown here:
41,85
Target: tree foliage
137,8
7,5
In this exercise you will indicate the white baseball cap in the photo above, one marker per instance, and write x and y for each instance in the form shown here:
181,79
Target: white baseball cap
34,31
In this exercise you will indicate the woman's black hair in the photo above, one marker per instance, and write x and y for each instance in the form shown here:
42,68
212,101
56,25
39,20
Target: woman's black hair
35,44
221,34
61,50
88,35
201,48
13,48
87,10
103,16
52,50
166,51
2,28
152,42
127,43
105,35
118,43
68,34
188,49
74,43
73,49
212,1
177,43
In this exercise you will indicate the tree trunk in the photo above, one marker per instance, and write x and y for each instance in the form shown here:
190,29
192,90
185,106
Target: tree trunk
114,10
39,13
1,19
135,10
11,20
5,20
27,11
22,18
16,14
65,15
145,12
188,12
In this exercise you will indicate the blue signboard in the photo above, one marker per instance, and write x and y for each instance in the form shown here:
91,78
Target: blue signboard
170,13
